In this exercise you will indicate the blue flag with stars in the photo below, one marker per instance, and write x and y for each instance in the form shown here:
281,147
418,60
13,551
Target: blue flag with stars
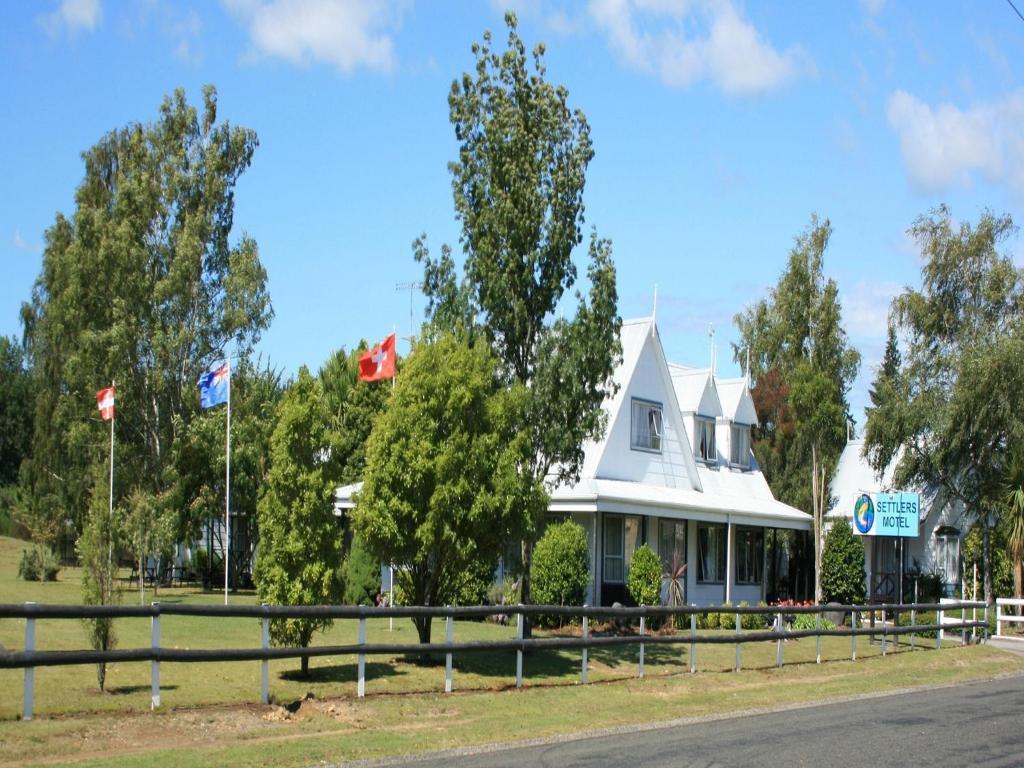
213,385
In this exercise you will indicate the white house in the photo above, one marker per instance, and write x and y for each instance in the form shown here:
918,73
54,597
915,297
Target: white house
675,471
936,549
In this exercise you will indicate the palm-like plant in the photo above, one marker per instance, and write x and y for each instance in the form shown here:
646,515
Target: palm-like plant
1014,498
673,577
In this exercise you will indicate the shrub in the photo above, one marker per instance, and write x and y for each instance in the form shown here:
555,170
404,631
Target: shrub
804,621
754,620
473,584
561,565
727,619
505,592
38,564
360,575
842,566
644,579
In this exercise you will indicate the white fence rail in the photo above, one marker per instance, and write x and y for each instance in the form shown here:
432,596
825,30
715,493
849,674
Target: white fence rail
1006,617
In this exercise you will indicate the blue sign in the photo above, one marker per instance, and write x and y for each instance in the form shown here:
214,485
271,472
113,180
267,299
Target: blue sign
888,514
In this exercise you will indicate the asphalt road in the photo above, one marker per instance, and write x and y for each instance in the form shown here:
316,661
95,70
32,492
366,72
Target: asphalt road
980,724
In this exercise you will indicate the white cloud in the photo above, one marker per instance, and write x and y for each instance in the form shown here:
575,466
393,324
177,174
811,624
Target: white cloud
19,242
944,146
347,34
684,42
866,309
73,16
872,7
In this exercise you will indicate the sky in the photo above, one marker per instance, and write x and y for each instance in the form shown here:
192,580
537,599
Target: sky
719,128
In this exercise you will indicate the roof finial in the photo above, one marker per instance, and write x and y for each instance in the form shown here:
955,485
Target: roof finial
711,336
654,312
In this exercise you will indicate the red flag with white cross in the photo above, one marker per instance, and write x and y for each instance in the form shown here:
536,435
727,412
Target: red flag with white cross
379,362
105,402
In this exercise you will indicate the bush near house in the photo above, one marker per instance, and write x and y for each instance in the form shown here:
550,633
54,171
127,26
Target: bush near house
842,566
561,565
644,579
38,564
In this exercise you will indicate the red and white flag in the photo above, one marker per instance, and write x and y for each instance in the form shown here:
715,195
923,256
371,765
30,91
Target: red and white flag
379,362
105,402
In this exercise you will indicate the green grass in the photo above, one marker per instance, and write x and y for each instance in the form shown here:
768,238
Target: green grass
209,715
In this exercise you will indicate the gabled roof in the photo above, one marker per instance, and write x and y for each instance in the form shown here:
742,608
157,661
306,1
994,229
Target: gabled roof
737,404
639,339
696,390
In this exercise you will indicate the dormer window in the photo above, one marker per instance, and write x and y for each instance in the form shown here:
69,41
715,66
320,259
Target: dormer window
704,439
740,448
648,426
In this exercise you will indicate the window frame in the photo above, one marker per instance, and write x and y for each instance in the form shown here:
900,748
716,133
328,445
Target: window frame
700,423
624,523
757,552
720,565
655,409
738,458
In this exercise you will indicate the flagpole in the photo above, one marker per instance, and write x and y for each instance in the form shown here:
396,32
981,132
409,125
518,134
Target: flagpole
227,494
110,509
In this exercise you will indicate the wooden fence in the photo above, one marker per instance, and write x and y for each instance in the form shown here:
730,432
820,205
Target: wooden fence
884,625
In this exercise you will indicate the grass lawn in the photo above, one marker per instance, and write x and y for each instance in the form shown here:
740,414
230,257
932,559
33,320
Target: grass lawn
210,717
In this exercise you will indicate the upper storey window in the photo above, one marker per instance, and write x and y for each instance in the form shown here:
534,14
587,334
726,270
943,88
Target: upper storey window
648,426
740,448
704,439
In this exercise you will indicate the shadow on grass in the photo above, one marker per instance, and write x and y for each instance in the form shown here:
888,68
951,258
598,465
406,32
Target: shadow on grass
124,690
341,673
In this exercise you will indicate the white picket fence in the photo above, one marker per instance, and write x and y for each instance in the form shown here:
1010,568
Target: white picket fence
1007,617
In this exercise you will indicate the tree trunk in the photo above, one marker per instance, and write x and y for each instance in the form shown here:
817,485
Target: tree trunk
1018,582
142,581
101,675
986,559
305,667
524,592
816,509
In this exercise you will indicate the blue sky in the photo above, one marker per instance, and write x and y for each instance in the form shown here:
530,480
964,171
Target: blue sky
719,127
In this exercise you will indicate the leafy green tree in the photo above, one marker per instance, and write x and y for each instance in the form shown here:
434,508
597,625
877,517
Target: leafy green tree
886,395
842,565
141,285
644,579
561,565
441,495
518,192
360,575
299,554
960,396
803,368
96,552
15,410
148,528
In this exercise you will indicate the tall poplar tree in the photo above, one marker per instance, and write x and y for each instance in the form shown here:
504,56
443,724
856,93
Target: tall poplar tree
803,367
518,191
141,285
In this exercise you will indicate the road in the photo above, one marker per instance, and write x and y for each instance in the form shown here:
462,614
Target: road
979,724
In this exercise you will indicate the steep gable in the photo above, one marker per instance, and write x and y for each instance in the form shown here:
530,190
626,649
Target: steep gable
644,377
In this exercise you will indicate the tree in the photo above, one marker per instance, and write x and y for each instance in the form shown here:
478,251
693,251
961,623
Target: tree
842,565
299,553
96,547
148,529
886,394
518,192
441,496
803,367
141,285
644,579
561,565
15,410
957,412
360,575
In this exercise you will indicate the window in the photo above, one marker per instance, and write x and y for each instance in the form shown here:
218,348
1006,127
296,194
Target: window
704,439
671,542
621,536
647,426
947,553
740,448
711,553
749,555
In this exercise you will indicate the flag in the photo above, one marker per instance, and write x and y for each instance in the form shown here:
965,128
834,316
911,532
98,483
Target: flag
213,385
105,402
379,362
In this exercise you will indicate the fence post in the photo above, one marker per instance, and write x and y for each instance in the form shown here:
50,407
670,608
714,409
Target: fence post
30,672
450,638
361,660
913,624
883,631
155,665
963,629
853,637
643,626
693,643
999,618
778,643
586,636
265,663
519,651
817,628
984,634
739,630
